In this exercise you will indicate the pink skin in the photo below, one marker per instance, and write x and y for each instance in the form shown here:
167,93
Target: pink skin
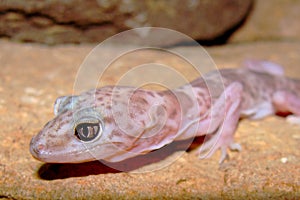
124,122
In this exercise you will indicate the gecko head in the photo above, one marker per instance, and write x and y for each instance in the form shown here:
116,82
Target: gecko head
102,131
70,137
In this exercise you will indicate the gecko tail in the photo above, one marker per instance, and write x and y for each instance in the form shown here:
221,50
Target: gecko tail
264,66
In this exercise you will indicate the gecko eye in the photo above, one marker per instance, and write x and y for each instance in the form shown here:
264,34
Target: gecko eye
87,131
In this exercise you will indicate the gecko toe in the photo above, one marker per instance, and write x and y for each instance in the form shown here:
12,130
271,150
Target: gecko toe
224,155
293,119
235,147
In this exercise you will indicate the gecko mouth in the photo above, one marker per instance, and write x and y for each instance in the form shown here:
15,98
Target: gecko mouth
39,151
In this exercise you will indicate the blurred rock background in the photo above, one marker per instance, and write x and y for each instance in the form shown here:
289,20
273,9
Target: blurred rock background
92,21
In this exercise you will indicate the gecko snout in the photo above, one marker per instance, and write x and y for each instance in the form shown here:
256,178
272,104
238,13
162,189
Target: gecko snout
37,148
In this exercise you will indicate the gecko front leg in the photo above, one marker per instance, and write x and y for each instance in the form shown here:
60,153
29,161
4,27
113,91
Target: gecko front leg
223,136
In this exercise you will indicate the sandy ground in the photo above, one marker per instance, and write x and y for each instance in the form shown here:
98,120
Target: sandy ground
33,76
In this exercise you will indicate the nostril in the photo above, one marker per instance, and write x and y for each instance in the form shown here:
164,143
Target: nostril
40,147
36,147
37,150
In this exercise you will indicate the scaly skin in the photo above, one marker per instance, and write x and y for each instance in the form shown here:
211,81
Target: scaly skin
123,122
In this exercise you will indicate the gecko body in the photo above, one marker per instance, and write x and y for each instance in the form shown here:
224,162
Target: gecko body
114,123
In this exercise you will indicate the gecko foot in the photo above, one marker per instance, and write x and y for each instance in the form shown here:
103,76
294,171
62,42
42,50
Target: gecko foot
211,146
293,119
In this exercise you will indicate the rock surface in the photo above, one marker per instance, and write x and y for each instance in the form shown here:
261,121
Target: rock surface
270,20
32,76
77,21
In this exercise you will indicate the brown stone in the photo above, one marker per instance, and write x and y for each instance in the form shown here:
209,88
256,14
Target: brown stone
270,20
77,21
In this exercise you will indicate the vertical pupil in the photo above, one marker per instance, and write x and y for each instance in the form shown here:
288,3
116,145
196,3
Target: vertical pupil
87,131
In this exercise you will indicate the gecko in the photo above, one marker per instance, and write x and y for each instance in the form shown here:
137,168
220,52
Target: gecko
114,123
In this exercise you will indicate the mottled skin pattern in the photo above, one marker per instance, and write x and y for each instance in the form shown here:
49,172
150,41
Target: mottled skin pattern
135,121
